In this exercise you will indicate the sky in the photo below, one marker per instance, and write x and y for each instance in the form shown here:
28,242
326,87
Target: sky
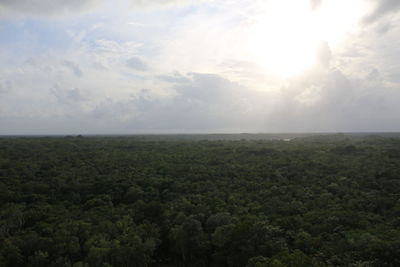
204,66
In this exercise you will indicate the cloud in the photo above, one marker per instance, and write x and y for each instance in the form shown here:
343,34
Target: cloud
8,8
324,54
174,78
207,88
198,103
334,101
382,9
315,4
320,100
5,86
68,96
70,83
73,67
201,102
136,64
109,53
11,9
96,73
158,3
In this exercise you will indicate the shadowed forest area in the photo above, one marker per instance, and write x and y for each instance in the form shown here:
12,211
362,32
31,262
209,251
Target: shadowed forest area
233,201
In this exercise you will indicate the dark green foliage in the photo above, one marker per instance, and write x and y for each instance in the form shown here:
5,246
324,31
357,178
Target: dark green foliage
172,201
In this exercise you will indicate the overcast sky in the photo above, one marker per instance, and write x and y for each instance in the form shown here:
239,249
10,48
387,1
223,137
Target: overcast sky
204,66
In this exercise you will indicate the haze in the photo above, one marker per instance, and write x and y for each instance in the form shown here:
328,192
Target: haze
134,66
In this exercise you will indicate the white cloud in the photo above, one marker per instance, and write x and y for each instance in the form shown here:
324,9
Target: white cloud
315,4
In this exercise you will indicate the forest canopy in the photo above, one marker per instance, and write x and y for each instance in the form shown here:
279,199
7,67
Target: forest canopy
234,201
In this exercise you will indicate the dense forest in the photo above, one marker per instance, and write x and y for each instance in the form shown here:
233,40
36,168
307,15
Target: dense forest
330,200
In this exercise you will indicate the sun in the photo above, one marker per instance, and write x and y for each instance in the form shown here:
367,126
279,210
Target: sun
286,34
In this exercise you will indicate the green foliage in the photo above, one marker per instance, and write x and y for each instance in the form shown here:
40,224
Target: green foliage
171,201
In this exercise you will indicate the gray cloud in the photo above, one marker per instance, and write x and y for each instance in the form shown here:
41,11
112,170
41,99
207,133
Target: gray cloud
333,101
73,67
201,103
45,7
383,8
207,87
136,64
327,100
11,9
5,86
68,96
175,78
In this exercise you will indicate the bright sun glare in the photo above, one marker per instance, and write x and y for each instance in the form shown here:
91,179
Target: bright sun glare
285,37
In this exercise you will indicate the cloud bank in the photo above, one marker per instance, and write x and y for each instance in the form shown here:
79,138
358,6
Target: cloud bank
10,8
186,69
